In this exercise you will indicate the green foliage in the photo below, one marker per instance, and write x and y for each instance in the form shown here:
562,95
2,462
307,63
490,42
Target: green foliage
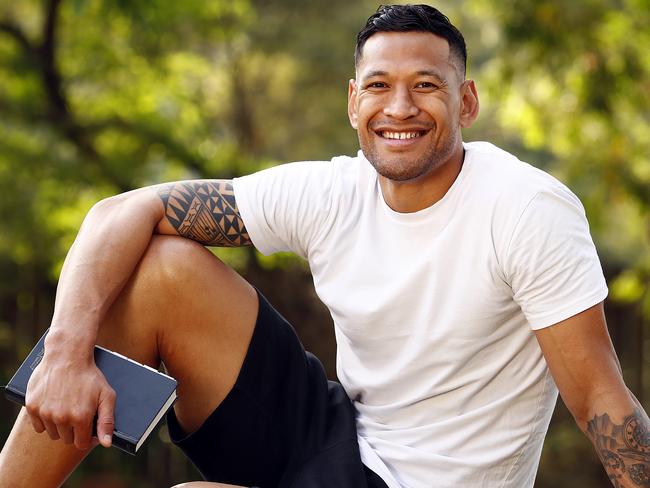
570,81
102,96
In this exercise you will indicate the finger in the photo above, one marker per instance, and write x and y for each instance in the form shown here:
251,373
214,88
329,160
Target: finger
38,425
105,427
65,433
105,421
51,430
83,436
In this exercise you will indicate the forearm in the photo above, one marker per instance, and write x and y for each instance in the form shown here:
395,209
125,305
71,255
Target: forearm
111,241
621,436
581,357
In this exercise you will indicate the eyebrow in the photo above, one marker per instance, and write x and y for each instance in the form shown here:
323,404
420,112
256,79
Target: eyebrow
374,73
424,72
431,72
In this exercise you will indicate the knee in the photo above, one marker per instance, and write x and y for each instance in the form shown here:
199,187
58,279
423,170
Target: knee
171,259
179,269
173,253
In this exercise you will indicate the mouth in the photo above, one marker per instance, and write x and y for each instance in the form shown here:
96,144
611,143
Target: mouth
404,139
400,135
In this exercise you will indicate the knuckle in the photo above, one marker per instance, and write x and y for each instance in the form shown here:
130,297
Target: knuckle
45,414
60,418
106,421
33,409
76,419
79,417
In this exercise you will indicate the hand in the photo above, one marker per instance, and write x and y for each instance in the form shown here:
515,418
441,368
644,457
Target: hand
63,395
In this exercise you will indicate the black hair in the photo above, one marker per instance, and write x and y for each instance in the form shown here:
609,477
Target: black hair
413,18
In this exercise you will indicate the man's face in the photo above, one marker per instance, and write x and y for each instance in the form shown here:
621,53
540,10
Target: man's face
406,104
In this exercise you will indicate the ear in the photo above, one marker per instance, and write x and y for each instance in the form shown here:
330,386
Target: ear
469,104
352,103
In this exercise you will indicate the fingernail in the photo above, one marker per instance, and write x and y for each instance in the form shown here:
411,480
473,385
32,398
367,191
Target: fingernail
107,438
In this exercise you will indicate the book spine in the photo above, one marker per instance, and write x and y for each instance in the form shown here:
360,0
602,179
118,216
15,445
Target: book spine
14,395
124,443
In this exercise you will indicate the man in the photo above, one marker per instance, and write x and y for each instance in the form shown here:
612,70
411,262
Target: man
456,275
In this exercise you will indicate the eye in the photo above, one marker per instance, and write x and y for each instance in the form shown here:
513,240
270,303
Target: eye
426,85
376,85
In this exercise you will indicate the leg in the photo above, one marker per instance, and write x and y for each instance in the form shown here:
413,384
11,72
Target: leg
182,307
192,312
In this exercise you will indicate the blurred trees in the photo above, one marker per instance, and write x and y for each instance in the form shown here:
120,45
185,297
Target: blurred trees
567,82
102,96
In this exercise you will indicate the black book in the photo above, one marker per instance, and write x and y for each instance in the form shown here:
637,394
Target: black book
143,394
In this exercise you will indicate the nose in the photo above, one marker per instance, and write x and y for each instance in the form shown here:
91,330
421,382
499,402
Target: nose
401,104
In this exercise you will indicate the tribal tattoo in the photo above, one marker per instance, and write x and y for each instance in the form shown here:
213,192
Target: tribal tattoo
623,449
205,211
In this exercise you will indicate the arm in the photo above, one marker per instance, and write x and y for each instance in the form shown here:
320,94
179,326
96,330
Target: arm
111,241
582,360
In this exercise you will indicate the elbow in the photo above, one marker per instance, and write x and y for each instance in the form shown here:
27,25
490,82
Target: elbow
105,205
581,414
104,210
616,401
142,203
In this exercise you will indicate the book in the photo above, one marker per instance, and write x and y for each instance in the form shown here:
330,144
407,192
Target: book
143,394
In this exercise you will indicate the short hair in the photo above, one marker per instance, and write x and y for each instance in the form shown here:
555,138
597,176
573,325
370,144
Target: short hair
413,18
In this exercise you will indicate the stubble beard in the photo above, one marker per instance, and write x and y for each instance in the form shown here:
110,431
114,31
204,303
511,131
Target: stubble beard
402,168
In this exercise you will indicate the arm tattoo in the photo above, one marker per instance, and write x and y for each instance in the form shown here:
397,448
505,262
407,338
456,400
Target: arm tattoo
205,211
623,449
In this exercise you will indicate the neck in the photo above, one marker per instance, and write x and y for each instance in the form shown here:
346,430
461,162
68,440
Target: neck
422,192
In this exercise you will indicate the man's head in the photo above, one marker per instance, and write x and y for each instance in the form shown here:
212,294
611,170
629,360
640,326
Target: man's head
414,18
410,97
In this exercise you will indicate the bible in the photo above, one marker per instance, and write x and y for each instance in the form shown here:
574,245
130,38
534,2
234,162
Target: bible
143,395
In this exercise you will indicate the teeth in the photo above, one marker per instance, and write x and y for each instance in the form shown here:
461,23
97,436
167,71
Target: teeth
400,135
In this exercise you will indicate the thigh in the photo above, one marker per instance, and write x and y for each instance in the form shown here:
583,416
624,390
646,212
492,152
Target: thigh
282,424
186,308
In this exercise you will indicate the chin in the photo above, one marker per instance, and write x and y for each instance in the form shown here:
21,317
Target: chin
397,174
401,170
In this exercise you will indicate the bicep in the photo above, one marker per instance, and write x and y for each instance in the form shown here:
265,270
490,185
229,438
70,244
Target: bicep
202,210
581,357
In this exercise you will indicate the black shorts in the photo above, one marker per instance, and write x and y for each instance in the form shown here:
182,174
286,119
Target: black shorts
283,424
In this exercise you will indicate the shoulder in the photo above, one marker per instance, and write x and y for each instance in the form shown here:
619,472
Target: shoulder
313,185
511,183
338,166
503,169
519,201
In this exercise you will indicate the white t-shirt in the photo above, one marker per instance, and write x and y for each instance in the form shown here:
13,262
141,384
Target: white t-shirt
433,310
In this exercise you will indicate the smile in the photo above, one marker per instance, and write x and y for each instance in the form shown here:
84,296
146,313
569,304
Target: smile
395,135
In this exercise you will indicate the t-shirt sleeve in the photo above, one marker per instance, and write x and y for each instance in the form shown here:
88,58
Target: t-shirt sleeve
551,262
285,208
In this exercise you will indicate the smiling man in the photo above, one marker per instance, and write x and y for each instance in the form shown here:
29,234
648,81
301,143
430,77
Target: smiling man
408,104
463,284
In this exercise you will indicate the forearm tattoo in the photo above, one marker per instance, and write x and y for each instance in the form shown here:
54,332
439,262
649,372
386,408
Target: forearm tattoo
623,449
205,211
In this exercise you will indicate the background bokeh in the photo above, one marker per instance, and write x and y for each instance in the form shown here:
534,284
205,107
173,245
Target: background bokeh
102,96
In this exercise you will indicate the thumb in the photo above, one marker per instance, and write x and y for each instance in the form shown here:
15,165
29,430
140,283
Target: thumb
105,420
